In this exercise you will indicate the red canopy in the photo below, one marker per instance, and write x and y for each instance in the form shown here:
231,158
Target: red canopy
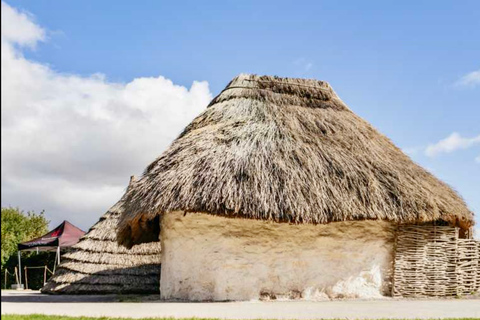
65,235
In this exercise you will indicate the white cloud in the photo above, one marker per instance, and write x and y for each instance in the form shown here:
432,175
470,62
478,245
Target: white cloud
452,143
70,143
304,64
471,79
18,28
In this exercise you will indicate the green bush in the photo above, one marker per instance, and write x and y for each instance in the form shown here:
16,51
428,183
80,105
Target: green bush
18,226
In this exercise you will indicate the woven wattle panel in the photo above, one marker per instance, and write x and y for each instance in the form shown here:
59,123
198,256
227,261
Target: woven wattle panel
425,261
468,266
433,261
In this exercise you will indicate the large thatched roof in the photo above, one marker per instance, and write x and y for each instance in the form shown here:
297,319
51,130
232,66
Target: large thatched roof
97,264
286,150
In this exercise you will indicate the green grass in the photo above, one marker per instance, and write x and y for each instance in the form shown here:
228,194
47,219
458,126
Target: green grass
46,317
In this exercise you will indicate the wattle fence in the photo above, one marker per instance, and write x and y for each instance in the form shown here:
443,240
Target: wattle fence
433,261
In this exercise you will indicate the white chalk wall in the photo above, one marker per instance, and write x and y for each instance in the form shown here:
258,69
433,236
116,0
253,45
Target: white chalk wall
206,257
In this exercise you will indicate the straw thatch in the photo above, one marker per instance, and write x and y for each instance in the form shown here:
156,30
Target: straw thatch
97,264
285,150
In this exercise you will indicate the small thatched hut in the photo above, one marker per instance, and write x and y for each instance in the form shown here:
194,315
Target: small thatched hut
279,190
98,265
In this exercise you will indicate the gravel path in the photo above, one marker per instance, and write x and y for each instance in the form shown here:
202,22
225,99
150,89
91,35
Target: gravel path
111,306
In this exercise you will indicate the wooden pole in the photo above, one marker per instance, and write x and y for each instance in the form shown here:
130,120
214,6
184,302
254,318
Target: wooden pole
19,268
51,272
55,261
45,275
16,275
5,278
26,278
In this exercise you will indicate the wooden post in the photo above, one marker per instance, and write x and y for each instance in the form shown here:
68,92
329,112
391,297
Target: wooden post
16,275
26,279
45,275
19,268
5,278
57,259
55,263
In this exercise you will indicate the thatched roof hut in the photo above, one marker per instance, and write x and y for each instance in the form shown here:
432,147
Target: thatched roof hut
98,265
287,150
272,149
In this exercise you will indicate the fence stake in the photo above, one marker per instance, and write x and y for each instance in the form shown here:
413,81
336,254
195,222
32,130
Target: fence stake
26,279
16,274
19,268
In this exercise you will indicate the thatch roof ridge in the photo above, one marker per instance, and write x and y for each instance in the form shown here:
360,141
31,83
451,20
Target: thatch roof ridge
97,264
286,150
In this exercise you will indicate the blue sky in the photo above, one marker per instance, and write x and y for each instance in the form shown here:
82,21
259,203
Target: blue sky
408,67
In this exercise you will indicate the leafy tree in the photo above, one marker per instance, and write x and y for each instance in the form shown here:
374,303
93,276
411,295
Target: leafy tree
18,226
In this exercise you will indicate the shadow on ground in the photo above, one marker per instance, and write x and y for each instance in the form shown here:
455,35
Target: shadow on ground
35,296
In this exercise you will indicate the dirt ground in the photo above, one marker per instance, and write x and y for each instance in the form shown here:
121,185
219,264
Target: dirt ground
16,302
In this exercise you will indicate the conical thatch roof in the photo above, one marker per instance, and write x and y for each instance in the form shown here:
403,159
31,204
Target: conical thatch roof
286,150
97,264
